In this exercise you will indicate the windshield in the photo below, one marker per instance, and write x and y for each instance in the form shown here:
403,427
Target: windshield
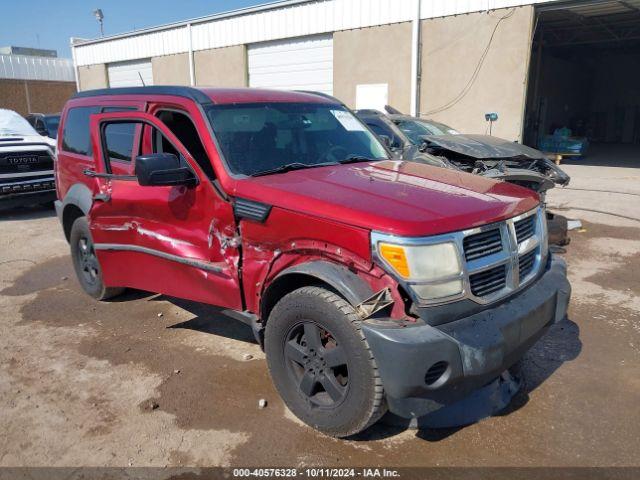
13,124
414,129
259,138
52,123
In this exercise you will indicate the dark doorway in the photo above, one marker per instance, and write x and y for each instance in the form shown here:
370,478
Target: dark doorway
585,78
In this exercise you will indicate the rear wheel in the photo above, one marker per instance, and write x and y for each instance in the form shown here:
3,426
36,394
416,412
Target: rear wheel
86,262
321,364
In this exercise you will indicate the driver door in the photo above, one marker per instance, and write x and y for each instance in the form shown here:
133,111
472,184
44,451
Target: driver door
174,240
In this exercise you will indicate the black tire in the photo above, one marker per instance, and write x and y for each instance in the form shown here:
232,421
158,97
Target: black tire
334,387
86,263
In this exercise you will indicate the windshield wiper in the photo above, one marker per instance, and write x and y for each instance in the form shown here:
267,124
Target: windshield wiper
359,158
289,167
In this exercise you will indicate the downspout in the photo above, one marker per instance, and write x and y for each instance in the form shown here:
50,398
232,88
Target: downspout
415,60
192,73
26,94
75,65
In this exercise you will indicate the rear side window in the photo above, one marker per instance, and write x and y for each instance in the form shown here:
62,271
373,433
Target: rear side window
75,138
118,138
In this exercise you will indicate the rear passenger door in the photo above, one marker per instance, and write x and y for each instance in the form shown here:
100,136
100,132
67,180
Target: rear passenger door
177,240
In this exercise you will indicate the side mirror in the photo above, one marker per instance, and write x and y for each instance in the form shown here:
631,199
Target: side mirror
162,169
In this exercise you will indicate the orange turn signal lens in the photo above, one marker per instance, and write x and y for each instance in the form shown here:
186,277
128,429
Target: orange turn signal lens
396,258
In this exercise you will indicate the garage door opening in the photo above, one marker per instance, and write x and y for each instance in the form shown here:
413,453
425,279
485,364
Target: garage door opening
130,74
584,83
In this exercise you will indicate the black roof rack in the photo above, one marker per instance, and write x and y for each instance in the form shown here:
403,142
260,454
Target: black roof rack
321,94
177,91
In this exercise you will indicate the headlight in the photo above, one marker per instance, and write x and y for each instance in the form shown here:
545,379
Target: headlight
432,271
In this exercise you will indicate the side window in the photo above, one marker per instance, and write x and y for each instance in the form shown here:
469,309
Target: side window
118,140
76,138
380,128
120,145
183,128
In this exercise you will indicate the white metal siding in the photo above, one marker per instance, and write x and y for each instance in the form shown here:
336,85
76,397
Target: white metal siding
26,67
130,74
298,64
277,21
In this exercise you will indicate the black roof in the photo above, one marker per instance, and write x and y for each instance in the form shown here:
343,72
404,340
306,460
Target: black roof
177,91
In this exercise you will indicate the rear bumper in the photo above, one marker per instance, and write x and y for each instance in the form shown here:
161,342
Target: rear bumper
475,349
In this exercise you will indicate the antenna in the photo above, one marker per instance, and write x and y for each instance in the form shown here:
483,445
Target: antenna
141,79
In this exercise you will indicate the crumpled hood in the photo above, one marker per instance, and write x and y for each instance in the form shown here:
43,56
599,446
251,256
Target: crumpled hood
482,146
396,197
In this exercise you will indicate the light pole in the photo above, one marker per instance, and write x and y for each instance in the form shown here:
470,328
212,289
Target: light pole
100,17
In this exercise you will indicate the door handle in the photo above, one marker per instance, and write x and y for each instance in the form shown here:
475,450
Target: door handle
92,173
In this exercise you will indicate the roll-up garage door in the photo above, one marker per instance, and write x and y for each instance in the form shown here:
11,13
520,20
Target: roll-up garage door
304,63
130,74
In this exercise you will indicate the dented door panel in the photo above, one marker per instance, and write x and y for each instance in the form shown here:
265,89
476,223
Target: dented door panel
166,239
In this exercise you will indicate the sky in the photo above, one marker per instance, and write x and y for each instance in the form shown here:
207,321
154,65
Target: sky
50,24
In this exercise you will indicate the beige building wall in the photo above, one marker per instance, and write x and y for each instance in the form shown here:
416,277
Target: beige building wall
171,69
452,48
31,96
221,67
93,76
373,55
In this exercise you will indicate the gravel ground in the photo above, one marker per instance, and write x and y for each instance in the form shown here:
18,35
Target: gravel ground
154,381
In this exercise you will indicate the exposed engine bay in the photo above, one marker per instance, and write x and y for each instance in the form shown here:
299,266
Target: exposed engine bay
539,174
495,158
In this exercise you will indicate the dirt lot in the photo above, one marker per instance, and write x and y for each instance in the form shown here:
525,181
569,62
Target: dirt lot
151,380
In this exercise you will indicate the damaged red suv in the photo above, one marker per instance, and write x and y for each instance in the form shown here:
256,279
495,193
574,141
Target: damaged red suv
372,284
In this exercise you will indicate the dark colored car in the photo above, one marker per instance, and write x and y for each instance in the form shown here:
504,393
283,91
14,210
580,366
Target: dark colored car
371,283
417,139
45,124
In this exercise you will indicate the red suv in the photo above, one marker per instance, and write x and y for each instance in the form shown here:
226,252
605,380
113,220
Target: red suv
371,284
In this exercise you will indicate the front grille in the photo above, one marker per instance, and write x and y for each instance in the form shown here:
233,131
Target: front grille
482,244
496,259
526,263
525,228
491,254
28,161
40,184
488,281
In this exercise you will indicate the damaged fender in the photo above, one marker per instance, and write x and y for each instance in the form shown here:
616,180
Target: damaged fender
346,283
78,196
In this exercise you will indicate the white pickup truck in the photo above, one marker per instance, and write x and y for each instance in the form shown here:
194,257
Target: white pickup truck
26,163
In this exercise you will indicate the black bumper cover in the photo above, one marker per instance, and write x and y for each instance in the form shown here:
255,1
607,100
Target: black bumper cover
26,198
477,348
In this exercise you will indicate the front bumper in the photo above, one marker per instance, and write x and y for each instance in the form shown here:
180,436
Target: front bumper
27,198
470,352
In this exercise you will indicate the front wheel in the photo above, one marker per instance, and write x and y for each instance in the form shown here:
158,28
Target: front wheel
321,364
85,262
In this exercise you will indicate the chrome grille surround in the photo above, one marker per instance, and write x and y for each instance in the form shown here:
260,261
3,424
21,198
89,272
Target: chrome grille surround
509,256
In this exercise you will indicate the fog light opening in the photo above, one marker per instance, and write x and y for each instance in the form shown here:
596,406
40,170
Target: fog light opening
436,372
